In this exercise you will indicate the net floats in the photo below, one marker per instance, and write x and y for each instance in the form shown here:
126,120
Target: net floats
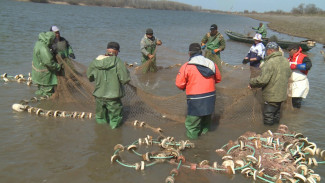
274,157
170,151
20,78
51,113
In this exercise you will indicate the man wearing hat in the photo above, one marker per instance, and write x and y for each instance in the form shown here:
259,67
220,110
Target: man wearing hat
44,66
148,49
274,83
261,29
215,43
255,55
299,84
61,45
198,77
109,74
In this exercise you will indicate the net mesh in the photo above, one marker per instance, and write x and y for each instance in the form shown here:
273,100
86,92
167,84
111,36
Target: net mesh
154,96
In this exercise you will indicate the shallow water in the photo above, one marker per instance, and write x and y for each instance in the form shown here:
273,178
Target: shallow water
39,149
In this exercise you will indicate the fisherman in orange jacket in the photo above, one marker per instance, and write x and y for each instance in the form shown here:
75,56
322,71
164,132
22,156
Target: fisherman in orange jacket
198,77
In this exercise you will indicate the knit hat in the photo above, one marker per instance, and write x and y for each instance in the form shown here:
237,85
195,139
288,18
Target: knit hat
149,31
55,28
213,27
272,45
113,45
194,47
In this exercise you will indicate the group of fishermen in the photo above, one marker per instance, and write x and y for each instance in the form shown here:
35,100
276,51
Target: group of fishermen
198,76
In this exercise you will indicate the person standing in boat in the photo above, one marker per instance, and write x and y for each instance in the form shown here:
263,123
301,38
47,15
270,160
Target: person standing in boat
148,46
299,84
255,55
261,29
214,42
198,77
273,80
61,45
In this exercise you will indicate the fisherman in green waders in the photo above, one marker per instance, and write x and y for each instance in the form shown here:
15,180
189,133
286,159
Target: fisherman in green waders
109,74
148,49
44,67
215,43
198,77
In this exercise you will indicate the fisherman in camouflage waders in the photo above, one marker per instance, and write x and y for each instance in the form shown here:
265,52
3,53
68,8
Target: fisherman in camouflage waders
214,42
148,49
274,83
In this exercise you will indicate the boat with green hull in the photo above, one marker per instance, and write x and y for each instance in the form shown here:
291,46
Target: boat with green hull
305,45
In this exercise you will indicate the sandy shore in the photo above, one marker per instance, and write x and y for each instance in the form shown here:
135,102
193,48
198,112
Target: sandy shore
309,27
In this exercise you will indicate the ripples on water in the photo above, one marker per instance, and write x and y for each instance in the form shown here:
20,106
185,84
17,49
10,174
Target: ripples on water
38,149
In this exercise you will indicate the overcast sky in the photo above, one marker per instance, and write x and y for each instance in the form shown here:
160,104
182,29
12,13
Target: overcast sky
252,5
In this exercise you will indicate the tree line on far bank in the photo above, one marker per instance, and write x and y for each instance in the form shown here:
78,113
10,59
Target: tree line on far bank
302,9
141,4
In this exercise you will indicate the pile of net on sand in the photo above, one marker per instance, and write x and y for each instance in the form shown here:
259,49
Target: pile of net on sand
282,156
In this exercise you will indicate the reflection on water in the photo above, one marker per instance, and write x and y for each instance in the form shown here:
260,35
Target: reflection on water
65,150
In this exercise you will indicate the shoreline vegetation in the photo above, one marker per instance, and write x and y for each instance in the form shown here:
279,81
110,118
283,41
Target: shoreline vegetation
305,26
303,21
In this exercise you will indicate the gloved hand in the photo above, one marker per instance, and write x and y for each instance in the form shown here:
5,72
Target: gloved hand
214,51
245,61
293,66
203,46
301,67
72,56
62,55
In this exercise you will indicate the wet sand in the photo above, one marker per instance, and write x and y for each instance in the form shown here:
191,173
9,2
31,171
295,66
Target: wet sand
310,27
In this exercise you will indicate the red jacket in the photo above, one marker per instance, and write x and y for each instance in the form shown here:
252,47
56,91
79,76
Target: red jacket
190,78
297,59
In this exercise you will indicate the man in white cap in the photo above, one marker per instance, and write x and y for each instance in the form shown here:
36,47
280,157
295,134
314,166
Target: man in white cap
255,54
61,45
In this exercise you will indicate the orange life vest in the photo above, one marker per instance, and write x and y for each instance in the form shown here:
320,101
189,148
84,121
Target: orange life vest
297,59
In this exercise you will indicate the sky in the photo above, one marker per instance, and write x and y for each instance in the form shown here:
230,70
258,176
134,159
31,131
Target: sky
252,5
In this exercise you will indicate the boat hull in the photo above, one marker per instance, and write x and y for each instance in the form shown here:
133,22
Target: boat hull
305,45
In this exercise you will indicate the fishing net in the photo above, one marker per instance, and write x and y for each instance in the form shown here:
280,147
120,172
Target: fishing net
154,96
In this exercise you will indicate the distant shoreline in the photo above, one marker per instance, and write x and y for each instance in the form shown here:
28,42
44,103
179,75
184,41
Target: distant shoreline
309,27
305,26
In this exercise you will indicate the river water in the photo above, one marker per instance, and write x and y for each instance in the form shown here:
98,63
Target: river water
39,149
